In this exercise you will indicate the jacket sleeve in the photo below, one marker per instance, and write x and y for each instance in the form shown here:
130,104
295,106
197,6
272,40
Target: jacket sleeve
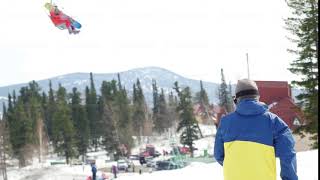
218,146
284,149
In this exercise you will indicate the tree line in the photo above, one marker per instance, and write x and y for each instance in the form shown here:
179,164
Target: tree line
71,124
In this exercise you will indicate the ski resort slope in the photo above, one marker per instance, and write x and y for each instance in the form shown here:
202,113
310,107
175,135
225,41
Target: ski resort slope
307,170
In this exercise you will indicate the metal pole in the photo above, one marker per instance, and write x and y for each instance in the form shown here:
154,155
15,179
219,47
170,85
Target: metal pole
248,65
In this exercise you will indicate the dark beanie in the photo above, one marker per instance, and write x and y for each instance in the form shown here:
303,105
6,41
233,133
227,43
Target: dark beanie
246,89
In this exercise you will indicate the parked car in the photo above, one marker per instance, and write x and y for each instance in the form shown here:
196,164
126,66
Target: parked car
123,165
134,157
152,164
165,165
149,161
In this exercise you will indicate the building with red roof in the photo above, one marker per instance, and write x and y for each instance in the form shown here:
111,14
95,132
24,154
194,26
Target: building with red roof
277,95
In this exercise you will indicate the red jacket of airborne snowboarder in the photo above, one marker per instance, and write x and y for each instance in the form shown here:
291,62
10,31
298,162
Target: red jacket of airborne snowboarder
58,18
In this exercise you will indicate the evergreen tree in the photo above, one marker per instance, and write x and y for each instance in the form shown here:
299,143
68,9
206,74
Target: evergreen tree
50,111
25,118
203,95
303,24
162,122
14,97
93,113
117,112
123,118
10,105
156,106
139,109
135,112
45,139
202,100
44,106
5,131
224,95
4,111
34,109
80,123
62,129
100,122
119,82
9,117
163,111
188,123
231,103
33,105
109,91
87,99
30,114
110,137
155,95
10,120
20,132
172,109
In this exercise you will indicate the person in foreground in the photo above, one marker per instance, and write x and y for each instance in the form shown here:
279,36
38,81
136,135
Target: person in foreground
249,140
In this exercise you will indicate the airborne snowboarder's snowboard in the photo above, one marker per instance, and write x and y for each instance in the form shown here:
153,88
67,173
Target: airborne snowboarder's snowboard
75,23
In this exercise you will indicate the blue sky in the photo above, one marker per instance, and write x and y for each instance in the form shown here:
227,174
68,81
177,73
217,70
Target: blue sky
194,38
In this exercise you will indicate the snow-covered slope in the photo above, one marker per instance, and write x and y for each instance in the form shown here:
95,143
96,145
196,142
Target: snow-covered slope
307,170
307,165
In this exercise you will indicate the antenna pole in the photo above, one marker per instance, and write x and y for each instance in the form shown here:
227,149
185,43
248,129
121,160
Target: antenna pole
248,65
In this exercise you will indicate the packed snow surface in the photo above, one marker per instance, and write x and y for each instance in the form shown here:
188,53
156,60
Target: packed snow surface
307,170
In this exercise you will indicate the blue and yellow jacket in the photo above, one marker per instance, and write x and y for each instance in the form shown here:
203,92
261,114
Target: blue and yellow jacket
249,140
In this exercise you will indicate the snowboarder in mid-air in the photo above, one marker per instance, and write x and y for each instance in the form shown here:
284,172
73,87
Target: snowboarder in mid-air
61,20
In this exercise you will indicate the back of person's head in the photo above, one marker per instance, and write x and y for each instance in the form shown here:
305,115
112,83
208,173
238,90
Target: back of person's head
246,89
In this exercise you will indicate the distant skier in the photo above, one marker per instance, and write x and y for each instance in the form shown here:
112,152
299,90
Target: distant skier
248,140
114,171
142,160
94,171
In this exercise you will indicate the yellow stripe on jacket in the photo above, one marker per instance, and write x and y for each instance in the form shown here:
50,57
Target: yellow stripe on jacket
245,160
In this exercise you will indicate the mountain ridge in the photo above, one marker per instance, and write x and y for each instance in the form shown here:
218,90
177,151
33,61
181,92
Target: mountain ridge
164,78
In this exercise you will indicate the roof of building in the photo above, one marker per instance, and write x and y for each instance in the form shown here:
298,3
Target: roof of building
288,111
